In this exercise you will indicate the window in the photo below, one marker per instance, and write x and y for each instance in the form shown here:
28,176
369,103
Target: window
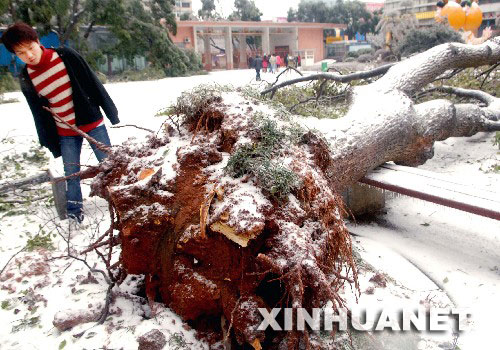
186,4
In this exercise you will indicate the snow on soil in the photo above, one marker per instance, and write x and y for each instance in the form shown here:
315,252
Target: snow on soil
424,254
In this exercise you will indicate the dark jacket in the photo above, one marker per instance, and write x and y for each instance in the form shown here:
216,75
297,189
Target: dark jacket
258,63
88,95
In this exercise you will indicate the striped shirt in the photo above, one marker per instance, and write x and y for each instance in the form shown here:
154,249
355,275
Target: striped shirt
51,81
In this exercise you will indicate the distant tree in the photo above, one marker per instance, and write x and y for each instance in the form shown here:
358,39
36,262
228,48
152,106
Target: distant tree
355,15
4,11
352,13
145,31
63,17
313,11
245,10
207,10
391,30
291,15
185,17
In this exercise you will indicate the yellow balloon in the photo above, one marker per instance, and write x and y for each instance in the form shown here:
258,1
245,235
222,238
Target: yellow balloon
455,14
474,18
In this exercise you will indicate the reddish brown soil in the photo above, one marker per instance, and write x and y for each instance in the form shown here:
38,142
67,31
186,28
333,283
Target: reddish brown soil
204,279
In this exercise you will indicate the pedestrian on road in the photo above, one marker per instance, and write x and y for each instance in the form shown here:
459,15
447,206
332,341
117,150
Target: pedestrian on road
272,61
258,66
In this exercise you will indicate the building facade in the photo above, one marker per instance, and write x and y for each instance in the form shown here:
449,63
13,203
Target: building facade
230,44
183,7
425,10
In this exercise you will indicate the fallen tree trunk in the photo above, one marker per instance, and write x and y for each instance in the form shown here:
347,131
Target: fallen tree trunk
239,208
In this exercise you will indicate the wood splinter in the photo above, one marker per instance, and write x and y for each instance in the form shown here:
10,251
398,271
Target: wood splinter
205,207
256,344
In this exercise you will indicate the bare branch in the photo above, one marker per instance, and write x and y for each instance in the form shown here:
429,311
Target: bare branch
12,257
134,126
23,201
88,173
450,75
89,30
487,72
476,94
292,108
105,309
331,76
287,69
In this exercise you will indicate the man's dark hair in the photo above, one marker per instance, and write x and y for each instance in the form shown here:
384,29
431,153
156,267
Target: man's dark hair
18,33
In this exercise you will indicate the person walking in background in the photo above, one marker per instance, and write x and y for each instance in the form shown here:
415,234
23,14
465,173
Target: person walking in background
257,65
286,60
250,62
278,63
61,80
272,61
265,63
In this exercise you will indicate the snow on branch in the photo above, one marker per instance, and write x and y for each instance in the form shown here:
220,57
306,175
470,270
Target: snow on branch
331,76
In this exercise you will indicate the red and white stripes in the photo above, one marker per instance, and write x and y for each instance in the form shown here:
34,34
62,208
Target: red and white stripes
51,80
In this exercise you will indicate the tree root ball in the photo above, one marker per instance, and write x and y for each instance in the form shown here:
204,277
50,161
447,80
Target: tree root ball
229,213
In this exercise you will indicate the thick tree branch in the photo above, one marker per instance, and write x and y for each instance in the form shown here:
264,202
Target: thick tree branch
416,72
332,76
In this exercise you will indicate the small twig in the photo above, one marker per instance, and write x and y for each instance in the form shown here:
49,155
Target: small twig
292,108
487,72
287,69
111,242
450,75
132,125
12,257
334,69
105,309
24,201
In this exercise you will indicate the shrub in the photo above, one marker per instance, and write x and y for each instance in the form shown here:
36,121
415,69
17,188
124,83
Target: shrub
7,83
357,53
365,58
257,159
383,54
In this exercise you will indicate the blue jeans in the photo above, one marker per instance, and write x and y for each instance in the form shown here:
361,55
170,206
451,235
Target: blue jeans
71,147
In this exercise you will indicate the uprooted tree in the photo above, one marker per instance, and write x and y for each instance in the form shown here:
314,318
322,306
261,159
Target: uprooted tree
236,205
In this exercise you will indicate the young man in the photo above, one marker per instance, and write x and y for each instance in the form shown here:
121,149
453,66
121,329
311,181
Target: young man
61,80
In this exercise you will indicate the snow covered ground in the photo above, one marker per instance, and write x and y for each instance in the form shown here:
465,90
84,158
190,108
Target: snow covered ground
427,254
